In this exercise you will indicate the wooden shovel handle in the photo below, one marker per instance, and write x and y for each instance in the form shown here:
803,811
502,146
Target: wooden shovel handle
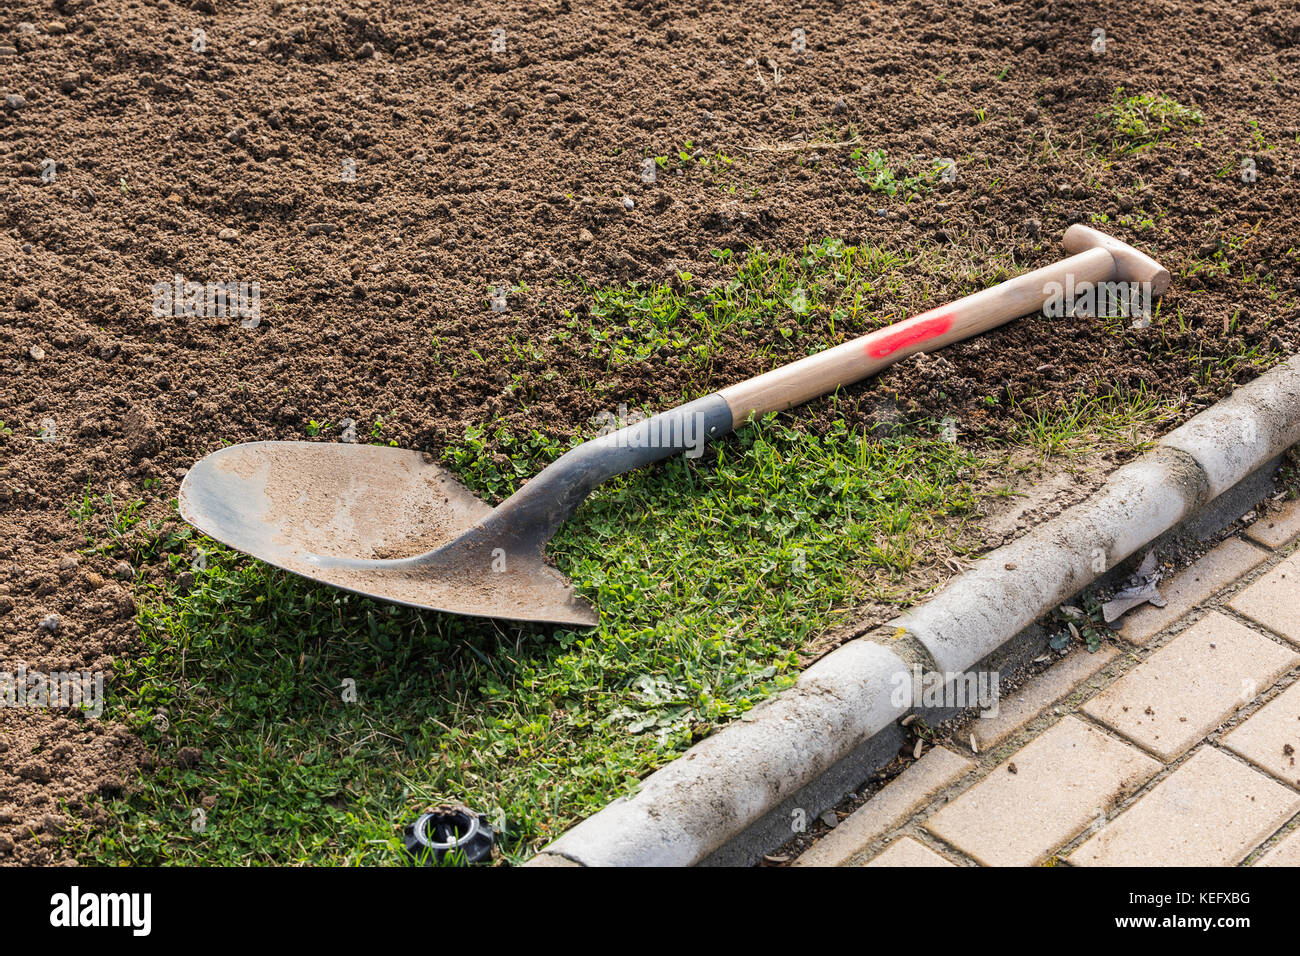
853,361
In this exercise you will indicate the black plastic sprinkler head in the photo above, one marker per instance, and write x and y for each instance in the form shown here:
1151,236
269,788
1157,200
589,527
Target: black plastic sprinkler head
444,830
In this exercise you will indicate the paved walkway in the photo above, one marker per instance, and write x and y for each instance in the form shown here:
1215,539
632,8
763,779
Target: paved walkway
1178,747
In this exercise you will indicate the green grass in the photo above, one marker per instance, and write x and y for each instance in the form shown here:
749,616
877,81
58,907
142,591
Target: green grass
1121,419
1141,120
710,576
874,170
777,307
1290,474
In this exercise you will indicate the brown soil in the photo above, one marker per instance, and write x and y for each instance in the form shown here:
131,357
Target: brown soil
476,168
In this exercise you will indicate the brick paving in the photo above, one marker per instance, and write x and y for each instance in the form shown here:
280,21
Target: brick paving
1177,746
1043,794
907,852
1269,738
1212,811
1274,600
1191,685
1212,573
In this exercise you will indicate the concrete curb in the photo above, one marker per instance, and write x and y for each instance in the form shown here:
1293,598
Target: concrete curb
742,779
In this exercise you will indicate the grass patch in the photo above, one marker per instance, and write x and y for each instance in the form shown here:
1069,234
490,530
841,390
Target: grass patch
1138,121
710,576
778,307
874,170
795,304
1290,476
1122,419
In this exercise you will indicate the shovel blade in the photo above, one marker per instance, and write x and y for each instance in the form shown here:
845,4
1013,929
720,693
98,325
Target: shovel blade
381,522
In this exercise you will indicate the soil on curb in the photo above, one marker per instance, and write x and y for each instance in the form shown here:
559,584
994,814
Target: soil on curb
380,167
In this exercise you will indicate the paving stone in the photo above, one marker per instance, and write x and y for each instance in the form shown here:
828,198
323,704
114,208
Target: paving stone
909,852
889,808
1211,811
1198,582
1286,853
1270,738
1042,796
1274,600
1276,528
1190,686
1058,681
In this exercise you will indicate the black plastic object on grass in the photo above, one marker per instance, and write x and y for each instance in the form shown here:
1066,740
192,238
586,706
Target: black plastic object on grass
444,830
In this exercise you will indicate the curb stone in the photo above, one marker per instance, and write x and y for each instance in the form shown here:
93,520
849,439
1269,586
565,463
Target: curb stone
735,786
1254,423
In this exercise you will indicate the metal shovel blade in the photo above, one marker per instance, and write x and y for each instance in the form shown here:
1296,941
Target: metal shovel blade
382,522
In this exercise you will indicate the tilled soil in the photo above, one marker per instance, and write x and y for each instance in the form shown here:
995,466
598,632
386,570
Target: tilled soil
378,168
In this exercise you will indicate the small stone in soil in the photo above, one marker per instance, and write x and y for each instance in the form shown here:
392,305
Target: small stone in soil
50,623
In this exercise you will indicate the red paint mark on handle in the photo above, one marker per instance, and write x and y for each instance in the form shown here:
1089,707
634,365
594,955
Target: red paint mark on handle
912,332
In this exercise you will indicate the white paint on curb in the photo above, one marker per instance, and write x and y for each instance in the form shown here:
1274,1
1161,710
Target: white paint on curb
720,787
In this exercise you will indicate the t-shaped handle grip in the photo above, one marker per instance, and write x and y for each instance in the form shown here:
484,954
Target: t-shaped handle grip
1130,264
